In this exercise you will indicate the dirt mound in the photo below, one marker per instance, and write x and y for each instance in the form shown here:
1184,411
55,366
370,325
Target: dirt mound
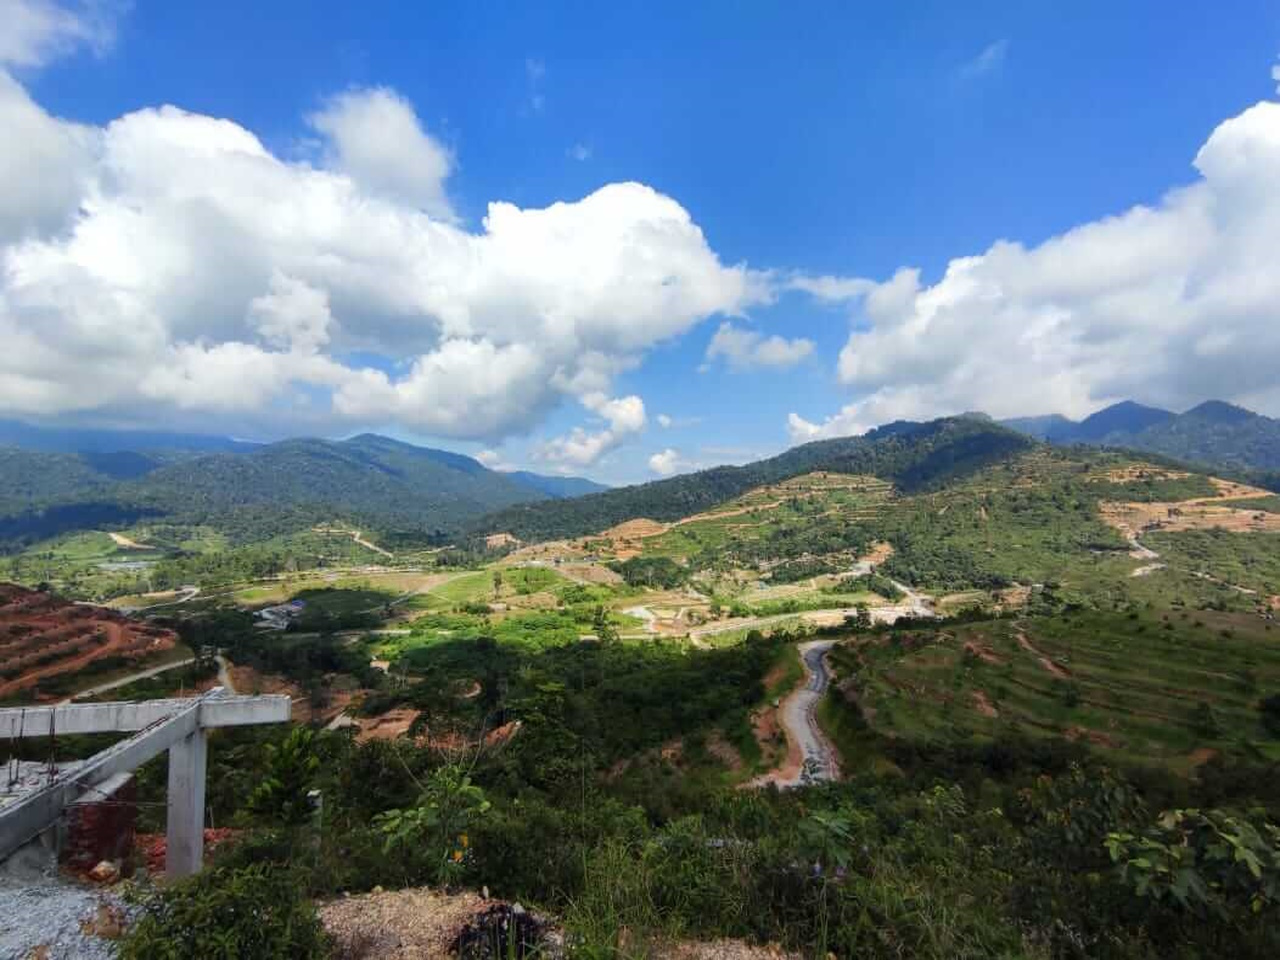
401,925
496,541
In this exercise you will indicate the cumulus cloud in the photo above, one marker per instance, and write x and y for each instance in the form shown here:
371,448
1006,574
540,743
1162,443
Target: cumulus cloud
169,265
989,60
37,31
45,165
493,460
745,349
1169,304
664,421
666,462
375,137
579,151
621,418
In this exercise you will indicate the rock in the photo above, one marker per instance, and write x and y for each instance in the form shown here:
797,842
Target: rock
106,871
107,923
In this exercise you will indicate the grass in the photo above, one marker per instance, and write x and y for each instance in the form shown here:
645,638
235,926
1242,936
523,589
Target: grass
1146,687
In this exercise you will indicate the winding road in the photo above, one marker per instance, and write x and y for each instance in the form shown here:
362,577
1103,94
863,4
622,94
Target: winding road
799,717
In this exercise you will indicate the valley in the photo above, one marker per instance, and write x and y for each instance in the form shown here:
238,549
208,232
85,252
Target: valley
927,625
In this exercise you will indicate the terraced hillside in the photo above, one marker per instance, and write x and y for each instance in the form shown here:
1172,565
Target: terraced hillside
46,642
1090,524
1175,688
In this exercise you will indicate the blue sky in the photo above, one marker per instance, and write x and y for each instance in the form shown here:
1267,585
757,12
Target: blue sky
837,140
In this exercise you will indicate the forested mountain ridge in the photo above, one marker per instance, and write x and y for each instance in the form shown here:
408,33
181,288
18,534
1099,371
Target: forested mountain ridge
912,456
1214,433
266,490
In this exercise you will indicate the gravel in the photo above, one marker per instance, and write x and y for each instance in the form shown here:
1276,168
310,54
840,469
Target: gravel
49,914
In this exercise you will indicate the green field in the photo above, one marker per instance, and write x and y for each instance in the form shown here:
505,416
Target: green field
1144,687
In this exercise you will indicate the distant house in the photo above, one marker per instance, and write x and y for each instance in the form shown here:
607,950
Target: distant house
279,617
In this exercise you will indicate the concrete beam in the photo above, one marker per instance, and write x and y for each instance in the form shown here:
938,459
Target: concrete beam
30,815
130,715
175,725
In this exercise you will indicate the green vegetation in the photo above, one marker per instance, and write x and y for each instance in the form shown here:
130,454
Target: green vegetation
1145,688
652,572
911,456
253,911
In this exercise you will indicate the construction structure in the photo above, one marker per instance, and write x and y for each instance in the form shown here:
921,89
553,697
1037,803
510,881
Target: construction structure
33,805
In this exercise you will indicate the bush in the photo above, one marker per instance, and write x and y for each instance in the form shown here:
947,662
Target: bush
1270,710
255,911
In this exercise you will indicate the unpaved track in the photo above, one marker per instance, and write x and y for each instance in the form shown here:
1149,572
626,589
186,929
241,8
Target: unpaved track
799,717
131,678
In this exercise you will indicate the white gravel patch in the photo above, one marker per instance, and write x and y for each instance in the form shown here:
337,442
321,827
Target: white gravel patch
48,914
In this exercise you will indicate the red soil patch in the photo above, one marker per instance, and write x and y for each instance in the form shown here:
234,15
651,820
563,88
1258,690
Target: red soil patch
386,726
983,705
153,850
880,552
1202,755
43,636
982,652
1049,665
502,735
1096,737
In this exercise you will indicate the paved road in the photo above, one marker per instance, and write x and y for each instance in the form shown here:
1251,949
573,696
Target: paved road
799,718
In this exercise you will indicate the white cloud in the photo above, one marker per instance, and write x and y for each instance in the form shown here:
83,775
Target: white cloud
831,289
1170,304
45,165
666,462
623,417
375,137
1275,75
664,421
750,350
535,70
38,31
494,460
579,151
168,266
989,60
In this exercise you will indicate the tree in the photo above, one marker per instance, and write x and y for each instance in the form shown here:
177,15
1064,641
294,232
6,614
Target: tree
282,796
604,630
437,826
497,583
1270,710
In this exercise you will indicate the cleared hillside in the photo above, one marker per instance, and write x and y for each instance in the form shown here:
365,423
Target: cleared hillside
911,456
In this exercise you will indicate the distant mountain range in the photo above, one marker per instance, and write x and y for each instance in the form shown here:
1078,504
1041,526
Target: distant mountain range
58,480
1214,433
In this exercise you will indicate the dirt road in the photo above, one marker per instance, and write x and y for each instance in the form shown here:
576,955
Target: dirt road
815,759
131,678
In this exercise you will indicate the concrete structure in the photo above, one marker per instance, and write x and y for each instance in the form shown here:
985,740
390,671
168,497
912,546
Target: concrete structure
178,726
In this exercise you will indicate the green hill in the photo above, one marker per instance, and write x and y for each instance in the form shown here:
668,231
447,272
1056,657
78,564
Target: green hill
912,456
382,484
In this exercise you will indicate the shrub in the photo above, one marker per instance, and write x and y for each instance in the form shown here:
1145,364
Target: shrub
255,911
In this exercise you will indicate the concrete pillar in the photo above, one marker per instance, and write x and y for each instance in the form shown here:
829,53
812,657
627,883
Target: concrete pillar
185,825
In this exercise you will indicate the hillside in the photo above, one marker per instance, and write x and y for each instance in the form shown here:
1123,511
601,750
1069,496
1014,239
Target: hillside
259,491
1214,433
913,456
